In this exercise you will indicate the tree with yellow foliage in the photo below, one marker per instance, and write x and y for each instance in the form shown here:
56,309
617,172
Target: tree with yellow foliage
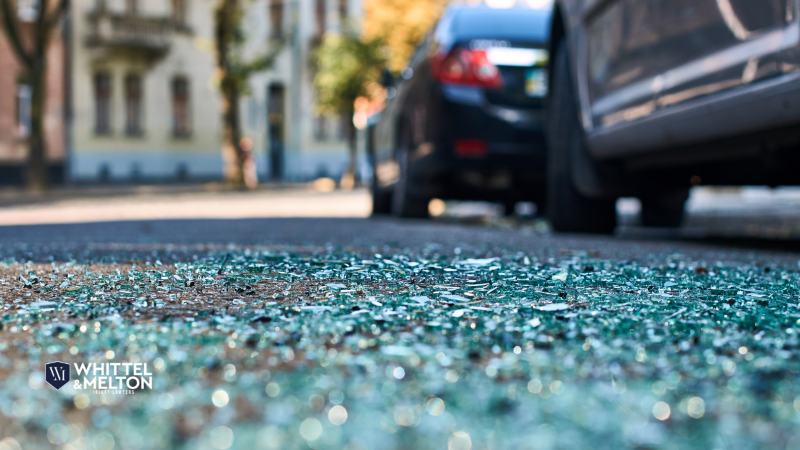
400,25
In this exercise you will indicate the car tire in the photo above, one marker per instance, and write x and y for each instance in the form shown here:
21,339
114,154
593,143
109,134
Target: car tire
381,201
664,210
406,199
509,208
568,209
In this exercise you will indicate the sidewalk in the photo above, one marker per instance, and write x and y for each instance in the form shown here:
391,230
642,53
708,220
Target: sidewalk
106,204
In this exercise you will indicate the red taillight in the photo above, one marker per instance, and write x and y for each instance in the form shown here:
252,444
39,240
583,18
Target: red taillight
474,148
453,69
468,68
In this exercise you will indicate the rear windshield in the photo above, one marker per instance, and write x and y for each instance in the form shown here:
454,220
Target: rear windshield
513,24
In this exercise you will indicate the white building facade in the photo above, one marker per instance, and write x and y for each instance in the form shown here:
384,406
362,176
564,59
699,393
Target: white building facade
298,143
145,98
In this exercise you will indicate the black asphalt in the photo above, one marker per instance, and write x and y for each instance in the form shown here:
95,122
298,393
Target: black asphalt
182,239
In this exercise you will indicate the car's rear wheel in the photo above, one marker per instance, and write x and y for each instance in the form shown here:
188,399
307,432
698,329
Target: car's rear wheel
664,210
406,200
568,209
509,208
381,201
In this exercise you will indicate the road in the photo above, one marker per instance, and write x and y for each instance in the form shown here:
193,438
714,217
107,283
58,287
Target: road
74,224
334,330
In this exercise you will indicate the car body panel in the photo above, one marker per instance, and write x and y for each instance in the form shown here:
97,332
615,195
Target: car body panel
644,66
770,104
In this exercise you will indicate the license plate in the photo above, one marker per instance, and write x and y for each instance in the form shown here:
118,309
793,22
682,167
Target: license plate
536,82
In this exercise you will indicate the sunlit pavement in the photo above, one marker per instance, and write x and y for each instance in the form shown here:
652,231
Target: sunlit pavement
711,212
752,212
159,203
738,213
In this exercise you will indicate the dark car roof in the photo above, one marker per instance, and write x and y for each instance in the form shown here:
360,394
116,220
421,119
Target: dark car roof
520,24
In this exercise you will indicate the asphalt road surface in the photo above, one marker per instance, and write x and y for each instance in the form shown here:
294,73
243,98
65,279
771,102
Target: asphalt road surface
760,224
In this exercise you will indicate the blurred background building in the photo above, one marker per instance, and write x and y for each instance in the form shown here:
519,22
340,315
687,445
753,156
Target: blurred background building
299,143
15,106
142,104
132,94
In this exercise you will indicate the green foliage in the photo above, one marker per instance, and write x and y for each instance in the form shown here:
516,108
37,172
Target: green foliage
240,71
346,67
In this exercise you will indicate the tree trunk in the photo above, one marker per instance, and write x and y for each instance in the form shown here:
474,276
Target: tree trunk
37,175
231,138
351,177
34,63
232,154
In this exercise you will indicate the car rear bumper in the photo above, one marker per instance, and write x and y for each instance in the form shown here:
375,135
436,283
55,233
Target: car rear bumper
513,164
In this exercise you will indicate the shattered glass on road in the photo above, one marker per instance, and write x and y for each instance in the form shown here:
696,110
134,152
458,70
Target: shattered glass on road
272,349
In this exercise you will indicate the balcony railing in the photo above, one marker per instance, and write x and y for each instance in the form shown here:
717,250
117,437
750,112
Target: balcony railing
151,35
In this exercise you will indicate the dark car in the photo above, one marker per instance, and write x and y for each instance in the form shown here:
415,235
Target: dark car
466,121
651,97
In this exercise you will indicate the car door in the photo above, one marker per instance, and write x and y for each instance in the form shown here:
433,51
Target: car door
646,55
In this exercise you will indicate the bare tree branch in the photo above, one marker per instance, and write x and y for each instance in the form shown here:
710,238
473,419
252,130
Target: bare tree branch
11,31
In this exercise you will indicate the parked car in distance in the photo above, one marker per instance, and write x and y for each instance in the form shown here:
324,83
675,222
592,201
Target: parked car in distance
651,97
466,119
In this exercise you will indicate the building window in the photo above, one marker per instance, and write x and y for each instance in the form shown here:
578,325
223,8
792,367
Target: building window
24,110
131,7
179,11
102,103
320,128
342,11
133,105
180,107
319,17
276,18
